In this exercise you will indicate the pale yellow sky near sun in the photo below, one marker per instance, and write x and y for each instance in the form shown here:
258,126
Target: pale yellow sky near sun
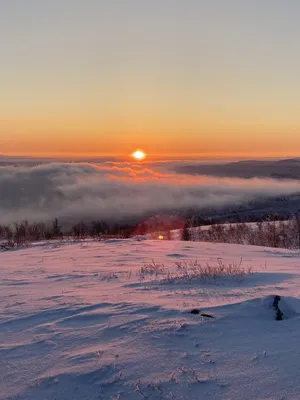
207,78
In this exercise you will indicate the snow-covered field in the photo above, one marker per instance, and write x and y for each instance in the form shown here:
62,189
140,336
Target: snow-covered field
98,320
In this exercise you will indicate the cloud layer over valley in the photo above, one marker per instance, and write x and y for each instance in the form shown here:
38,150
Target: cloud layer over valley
119,191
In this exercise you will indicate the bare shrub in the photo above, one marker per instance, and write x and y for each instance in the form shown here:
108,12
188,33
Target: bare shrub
153,269
194,271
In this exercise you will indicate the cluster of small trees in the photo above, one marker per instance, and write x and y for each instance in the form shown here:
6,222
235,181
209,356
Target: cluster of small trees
98,229
284,234
24,232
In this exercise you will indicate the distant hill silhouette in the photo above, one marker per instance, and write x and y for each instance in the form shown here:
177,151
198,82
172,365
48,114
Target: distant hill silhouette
279,169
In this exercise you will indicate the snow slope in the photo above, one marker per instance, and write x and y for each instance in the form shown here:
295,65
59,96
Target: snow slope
89,321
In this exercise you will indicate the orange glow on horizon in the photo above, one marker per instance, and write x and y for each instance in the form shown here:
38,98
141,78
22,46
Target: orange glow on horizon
151,156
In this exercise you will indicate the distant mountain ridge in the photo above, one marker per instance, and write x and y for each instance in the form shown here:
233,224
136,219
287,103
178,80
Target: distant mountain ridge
247,169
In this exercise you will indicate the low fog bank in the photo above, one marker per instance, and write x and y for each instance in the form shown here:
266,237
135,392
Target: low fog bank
121,191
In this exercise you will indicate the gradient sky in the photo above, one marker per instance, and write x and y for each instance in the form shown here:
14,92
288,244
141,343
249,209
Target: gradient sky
169,76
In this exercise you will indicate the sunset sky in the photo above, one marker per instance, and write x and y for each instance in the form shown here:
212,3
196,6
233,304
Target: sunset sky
214,78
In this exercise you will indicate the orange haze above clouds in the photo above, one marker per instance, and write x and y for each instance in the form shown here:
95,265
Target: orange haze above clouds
86,78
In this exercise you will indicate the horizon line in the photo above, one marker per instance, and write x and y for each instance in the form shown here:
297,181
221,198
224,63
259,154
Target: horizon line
149,155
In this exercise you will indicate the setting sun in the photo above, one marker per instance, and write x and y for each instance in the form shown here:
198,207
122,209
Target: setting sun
138,155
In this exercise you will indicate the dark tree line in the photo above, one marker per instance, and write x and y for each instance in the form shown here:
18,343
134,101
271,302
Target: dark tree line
24,232
271,232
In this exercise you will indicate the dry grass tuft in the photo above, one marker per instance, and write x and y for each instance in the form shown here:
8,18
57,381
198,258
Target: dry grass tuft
152,269
194,271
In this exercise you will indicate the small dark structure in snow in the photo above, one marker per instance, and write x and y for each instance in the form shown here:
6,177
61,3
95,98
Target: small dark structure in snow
279,313
197,311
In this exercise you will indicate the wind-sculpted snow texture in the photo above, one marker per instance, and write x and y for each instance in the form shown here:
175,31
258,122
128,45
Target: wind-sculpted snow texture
112,320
